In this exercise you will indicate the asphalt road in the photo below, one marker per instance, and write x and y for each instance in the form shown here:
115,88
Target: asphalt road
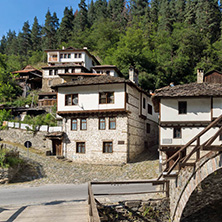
25,195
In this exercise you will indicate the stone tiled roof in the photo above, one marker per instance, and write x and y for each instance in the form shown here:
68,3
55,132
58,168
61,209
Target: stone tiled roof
187,90
103,79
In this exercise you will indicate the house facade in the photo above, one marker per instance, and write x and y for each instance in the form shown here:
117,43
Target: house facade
106,119
185,111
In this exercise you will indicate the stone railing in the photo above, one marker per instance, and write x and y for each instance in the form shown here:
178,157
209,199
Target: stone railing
43,128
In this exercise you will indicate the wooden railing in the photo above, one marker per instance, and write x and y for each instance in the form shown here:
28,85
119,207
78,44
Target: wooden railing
93,212
183,161
46,102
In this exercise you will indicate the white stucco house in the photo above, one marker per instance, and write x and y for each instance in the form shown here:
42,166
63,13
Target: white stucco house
185,111
106,119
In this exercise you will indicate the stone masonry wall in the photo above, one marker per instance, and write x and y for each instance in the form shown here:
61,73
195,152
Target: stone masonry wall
94,138
20,136
139,139
54,81
188,180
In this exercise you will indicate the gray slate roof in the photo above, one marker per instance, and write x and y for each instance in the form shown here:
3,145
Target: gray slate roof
103,79
187,90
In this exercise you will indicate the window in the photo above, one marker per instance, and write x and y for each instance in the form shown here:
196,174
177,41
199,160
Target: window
80,55
108,73
65,56
102,123
144,103
50,72
75,55
54,56
66,70
106,97
80,147
107,147
61,56
150,110
69,55
74,124
49,82
176,132
71,99
220,137
56,72
182,107
147,128
112,123
83,124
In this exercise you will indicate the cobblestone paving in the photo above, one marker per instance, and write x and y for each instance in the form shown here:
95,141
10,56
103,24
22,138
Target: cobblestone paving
41,169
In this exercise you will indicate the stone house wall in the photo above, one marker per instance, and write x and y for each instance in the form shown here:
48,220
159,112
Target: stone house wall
94,138
51,81
139,139
38,139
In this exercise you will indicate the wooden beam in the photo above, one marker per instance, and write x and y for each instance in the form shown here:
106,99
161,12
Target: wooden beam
195,138
213,148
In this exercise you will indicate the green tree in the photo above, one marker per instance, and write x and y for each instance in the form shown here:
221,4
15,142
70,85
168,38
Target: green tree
81,20
36,35
66,25
49,31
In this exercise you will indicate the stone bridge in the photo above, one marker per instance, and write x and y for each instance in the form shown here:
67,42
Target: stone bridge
196,192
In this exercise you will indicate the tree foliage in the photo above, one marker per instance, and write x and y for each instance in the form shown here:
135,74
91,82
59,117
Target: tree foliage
165,40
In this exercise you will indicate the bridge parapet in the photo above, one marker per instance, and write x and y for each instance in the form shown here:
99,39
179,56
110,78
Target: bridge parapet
187,181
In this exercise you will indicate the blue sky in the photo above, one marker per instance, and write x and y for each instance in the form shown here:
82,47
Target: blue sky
13,13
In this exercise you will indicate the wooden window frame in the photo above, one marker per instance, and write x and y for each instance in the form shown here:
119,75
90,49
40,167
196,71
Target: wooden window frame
112,121
81,123
149,109
76,56
174,132
72,95
101,122
148,128
50,72
80,55
182,110
107,94
69,55
77,147
104,147
72,125
61,56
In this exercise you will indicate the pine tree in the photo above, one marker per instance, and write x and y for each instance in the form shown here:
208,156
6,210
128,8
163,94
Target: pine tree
208,19
101,9
91,13
24,40
154,9
180,10
66,25
165,21
139,7
3,44
81,20
49,31
36,35
190,13
115,10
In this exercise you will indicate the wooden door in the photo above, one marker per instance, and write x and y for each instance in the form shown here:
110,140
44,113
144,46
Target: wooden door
57,147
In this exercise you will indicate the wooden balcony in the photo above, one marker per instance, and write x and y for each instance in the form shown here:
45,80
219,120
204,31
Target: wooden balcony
46,102
53,59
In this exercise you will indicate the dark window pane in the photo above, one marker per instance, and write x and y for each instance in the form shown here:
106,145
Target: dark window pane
80,147
150,111
102,123
107,147
177,132
182,107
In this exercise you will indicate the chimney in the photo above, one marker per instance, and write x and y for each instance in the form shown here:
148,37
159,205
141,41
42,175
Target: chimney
63,47
200,75
85,48
133,75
